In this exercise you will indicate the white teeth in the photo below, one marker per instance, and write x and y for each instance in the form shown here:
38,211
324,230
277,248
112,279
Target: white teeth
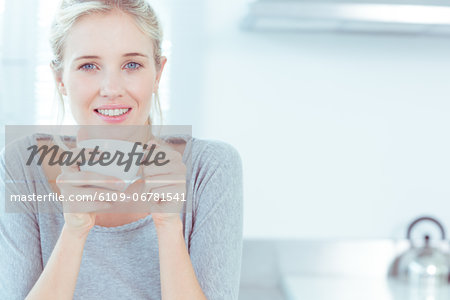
113,112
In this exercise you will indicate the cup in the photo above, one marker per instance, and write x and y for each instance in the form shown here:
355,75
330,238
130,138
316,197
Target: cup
113,169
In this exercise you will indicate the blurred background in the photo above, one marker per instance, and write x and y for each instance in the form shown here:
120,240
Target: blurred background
340,111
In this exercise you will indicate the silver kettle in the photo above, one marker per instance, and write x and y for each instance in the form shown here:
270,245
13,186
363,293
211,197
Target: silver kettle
422,266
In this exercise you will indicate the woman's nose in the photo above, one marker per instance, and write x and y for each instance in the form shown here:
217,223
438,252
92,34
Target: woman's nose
112,85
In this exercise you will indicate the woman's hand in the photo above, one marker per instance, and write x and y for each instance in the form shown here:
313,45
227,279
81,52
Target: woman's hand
168,184
80,216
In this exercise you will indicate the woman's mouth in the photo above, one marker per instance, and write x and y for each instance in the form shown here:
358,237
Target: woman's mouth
114,115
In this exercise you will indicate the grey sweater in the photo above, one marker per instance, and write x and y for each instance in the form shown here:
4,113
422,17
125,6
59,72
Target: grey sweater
122,262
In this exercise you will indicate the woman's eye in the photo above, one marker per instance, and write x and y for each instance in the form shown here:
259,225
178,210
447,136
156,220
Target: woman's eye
88,67
132,65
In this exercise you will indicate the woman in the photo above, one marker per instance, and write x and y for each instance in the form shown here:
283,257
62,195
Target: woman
108,63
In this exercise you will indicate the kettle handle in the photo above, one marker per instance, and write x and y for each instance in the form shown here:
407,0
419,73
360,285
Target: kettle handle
408,235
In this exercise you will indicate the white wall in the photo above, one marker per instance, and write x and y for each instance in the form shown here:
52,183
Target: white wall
341,135
17,62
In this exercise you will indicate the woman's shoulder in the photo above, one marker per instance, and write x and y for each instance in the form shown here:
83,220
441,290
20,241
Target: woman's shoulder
204,150
15,148
35,138
16,151
214,149
207,157
212,155
216,178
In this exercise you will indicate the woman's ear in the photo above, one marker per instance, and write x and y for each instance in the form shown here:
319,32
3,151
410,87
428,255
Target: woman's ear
57,75
159,73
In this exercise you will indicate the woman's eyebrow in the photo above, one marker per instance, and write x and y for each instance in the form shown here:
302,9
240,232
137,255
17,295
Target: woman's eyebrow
135,54
97,57
87,57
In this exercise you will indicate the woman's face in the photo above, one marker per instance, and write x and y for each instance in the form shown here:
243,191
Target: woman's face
109,72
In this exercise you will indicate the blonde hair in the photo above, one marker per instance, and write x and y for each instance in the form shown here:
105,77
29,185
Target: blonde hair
71,10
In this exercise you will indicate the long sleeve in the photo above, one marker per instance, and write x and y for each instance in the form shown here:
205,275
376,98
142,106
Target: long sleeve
216,238
20,250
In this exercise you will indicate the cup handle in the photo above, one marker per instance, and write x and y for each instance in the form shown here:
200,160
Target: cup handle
131,181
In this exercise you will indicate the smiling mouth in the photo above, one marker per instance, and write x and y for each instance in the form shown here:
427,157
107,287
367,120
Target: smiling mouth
112,112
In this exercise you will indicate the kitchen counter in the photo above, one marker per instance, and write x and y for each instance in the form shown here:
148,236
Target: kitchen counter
335,288
325,270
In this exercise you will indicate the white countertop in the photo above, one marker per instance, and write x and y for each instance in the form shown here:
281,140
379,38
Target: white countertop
335,288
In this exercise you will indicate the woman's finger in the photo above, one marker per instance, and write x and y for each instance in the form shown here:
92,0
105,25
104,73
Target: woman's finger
159,181
174,163
162,147
168,199
78,156
85,207
167,169
84,178
89,199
